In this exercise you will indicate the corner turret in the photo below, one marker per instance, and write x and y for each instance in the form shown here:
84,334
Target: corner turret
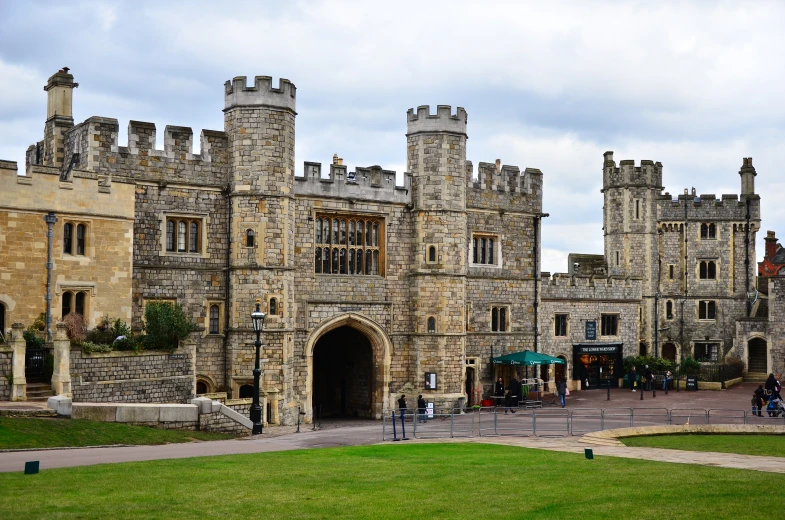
422,122
262,93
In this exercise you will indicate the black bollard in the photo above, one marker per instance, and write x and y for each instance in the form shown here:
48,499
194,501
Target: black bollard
609,392
403,428
654,390
641,394
395,434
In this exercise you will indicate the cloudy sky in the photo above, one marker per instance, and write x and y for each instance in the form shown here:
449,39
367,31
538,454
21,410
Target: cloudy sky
551,85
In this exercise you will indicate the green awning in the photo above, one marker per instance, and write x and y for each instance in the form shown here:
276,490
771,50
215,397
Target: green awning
527,357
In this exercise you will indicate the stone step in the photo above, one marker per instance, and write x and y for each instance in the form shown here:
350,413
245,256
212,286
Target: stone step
755,377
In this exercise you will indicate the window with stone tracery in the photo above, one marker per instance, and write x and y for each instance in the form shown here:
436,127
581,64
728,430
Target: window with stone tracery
184,235
349,245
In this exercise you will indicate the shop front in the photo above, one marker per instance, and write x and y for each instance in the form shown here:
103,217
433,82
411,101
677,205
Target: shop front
598,365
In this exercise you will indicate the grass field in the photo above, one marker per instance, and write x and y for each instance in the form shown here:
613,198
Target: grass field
426,481
24,432
767,445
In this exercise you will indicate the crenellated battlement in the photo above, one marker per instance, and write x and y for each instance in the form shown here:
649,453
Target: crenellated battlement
648,174
564,286
504,187
237,93
371,183
423,122
93,146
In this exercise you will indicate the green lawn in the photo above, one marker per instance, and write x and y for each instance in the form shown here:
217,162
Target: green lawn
768,445
24,432
401,481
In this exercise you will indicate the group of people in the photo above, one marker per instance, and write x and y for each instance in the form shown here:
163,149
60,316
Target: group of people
768,394
648,377
422,408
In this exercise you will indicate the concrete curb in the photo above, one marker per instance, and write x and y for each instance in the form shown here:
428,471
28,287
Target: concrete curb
611,437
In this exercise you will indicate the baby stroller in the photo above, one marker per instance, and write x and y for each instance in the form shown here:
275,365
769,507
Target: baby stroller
775,407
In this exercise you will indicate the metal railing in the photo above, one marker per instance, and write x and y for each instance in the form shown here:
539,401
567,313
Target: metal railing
544,422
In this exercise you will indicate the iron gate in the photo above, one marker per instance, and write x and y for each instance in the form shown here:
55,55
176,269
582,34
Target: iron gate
34,363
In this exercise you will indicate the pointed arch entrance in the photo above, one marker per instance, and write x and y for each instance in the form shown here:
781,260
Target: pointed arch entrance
757,356
348,367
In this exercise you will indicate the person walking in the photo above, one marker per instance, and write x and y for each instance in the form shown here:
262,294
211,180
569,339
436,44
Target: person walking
649,378
771,384
498,391
402,406
513,395
758,397
561,388
631,377
421,409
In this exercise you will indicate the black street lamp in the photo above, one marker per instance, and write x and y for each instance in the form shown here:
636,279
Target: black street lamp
257,318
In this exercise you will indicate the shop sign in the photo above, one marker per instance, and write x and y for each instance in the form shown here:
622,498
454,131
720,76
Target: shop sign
591,330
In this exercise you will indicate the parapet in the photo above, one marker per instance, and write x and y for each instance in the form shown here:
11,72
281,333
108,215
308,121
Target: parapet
648,174
93,146
371,183
579,287
262,93
504,187
422,122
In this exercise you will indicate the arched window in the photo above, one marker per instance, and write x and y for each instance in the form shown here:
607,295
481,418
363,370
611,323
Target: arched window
249,236
273,307
431,324
181,233
712,231
81,231
704,231
201,387
68,237
246,392
432,254
170,235
214,320
712,271
708,231
669,310
704,271
79,308
193,238
66,306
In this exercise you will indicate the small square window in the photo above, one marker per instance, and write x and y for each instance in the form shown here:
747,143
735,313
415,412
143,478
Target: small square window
485,250
560,325
609,325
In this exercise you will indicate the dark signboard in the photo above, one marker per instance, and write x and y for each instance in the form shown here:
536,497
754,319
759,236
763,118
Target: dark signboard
599,349
591,330
692,383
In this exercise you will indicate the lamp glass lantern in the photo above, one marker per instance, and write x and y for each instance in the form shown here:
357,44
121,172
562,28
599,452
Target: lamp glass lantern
257,318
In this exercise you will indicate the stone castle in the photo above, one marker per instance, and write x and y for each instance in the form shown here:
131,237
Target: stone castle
370,288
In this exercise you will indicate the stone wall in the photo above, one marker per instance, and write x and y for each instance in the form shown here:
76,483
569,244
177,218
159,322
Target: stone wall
777,323
150,377
6,357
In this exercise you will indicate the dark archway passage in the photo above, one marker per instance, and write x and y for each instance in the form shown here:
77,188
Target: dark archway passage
2,319
669,351
343,374
757,352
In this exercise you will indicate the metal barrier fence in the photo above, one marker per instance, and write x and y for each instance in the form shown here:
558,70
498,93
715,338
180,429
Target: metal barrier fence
544,422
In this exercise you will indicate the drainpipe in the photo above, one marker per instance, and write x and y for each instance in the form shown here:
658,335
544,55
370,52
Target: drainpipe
747,261
227,291
50,220
537,222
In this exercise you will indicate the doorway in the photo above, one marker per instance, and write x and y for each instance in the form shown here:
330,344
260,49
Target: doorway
469,388
343,374
757,356
669,351
560,370
2,320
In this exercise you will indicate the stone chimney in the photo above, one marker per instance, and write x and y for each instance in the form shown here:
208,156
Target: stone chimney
59,115
771,244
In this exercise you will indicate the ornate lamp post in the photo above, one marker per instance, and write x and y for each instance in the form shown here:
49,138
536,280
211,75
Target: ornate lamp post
257,318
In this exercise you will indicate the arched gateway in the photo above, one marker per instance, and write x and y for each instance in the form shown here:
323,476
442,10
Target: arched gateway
348,367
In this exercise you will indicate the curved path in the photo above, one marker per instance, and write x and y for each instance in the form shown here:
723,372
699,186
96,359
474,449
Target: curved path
281,440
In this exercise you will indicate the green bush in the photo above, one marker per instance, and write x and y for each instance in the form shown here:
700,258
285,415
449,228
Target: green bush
640,362
32,340
690,366
166,324
89,347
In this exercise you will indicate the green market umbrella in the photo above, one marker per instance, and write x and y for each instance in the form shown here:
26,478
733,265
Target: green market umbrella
527,357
